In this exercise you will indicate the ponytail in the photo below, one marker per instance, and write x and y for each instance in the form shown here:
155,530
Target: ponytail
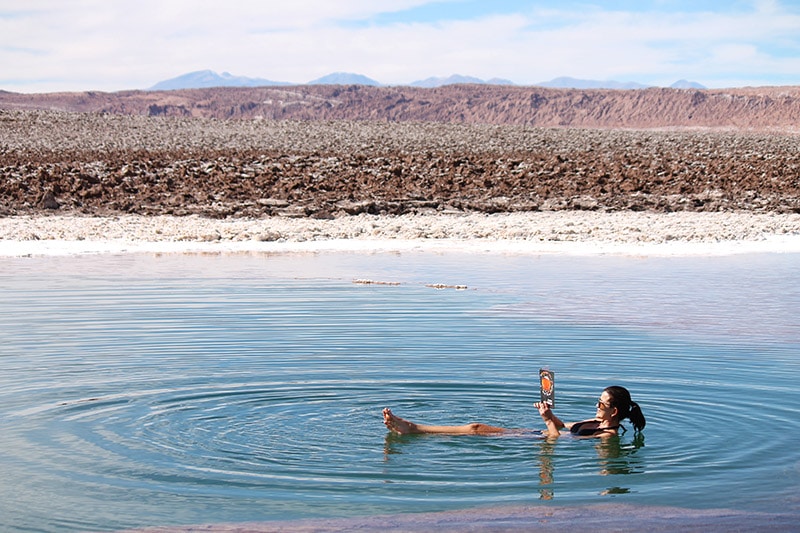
627,408
636,417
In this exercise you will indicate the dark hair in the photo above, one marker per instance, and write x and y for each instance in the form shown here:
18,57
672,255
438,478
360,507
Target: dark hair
627,408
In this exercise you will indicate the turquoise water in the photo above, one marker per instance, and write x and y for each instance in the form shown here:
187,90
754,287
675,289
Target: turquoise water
142,390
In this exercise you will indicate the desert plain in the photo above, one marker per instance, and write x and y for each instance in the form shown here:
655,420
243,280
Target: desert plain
254,182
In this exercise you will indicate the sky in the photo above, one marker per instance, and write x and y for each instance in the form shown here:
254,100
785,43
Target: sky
112,45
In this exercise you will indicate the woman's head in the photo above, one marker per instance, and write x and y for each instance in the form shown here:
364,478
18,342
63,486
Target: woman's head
620,398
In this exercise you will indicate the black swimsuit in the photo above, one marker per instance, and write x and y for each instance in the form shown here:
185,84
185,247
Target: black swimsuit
587,428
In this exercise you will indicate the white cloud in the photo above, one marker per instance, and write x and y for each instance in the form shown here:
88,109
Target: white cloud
111,45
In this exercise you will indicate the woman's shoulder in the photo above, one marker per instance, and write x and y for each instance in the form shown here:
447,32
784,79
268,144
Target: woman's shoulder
590,428
583,425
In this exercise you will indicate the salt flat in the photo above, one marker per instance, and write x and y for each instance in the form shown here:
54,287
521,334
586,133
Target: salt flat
573,232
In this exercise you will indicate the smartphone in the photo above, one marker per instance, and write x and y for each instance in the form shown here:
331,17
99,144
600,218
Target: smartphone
547,387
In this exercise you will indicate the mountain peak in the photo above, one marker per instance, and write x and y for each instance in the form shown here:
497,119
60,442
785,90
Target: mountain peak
686,84
344,78
203,79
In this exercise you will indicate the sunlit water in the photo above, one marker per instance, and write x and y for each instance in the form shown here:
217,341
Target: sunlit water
144,390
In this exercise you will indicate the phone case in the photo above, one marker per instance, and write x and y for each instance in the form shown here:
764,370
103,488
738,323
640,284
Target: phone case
547,386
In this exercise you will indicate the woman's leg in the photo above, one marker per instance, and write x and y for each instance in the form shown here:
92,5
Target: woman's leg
405,427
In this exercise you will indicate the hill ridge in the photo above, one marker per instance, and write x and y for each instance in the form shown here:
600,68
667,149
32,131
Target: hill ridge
764,108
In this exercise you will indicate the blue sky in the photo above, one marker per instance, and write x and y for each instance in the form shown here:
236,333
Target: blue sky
108,45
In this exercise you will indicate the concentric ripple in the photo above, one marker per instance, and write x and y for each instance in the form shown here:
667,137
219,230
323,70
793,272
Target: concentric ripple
197,389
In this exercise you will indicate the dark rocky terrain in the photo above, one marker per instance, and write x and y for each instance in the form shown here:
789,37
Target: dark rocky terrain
476,150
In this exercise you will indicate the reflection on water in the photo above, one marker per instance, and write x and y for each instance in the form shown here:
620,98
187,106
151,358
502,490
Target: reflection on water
614,457
190,389
546,452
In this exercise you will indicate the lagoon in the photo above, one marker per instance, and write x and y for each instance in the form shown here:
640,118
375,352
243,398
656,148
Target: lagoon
169,389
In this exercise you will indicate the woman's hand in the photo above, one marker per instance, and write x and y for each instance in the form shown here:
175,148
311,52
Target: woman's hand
544,410
551,420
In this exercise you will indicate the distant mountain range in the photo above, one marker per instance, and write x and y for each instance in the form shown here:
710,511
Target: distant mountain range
574,83
207,78
457,79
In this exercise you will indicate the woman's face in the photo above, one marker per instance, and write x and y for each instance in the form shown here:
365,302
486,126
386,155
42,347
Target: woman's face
604,409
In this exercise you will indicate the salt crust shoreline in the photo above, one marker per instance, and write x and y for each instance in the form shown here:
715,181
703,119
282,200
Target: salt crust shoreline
618,518
558,232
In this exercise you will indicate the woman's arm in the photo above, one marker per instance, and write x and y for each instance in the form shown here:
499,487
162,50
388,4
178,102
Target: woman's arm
553,423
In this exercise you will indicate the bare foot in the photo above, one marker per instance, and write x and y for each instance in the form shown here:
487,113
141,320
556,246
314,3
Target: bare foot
397,424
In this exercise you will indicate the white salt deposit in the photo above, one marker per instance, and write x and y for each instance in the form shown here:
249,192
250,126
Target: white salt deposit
568,232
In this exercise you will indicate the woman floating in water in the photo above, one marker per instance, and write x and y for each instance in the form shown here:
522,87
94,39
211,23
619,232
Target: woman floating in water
614,405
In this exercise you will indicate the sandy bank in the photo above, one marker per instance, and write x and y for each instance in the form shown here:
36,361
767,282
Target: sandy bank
577,232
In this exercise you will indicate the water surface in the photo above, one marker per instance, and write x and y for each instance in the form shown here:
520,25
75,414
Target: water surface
144,390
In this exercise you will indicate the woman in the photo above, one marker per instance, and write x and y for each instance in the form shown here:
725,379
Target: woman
614,405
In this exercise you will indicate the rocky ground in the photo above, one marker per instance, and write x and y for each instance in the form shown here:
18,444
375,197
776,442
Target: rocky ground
106,165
